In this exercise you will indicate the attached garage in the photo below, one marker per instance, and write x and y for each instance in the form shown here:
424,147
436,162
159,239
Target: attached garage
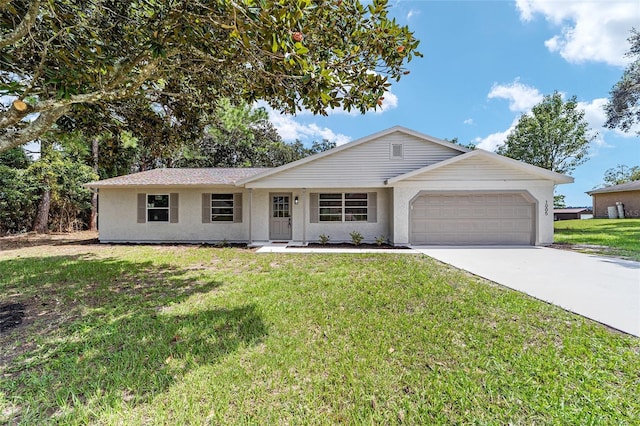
473,218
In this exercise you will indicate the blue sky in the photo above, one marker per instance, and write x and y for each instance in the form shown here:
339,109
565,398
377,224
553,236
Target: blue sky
487,62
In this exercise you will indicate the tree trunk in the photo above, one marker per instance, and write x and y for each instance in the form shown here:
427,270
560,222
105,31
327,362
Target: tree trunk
41,224
93,220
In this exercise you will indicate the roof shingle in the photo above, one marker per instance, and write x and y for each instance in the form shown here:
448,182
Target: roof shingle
629,186
179,177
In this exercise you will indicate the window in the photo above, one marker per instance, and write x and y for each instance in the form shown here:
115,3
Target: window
221,207
396,151
158,208
280,206
330,207
347,207
355,207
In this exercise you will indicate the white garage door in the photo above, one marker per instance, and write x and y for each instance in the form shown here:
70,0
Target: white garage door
472,218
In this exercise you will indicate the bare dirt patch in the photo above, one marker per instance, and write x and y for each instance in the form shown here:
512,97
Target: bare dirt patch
53,239
11,315
37,316
58,298
24,317
591,249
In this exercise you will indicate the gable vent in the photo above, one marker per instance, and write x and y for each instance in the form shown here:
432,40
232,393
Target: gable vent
397,151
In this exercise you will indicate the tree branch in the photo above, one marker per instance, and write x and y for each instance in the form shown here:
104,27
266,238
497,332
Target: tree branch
23,27
37,127
52,109
36,75
16,112
100,95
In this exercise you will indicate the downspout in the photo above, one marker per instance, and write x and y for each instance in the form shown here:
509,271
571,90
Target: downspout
304,216
250,214
97,209
391,212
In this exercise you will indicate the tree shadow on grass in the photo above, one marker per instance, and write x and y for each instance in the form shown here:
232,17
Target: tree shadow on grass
51,239
103,332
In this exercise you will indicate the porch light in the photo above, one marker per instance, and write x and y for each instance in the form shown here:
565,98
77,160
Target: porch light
295,200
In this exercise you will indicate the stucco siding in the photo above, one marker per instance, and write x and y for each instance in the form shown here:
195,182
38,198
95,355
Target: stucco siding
541,191
365,165
630,199
305,231
473,169
117,218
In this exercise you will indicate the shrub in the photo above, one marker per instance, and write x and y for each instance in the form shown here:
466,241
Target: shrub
324,239
19,195
381,240
356,238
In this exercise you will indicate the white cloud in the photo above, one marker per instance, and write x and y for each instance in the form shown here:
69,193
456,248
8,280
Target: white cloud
390,102
290,130
521,99
589,30
594,112
494,140
468,121
412,13
596,116
520,96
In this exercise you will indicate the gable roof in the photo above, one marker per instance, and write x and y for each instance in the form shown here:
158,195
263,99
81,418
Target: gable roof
178,177
353,144
623,187
534,170
572,210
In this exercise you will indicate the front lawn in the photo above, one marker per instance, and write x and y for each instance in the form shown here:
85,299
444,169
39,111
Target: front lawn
186,335
614,237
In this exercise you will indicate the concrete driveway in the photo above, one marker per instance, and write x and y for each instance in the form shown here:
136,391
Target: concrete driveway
601,288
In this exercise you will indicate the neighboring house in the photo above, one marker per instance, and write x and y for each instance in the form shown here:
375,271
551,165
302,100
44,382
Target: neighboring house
626,193
572,213
406,186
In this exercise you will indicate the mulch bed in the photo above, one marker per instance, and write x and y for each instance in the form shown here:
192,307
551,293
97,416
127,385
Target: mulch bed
352,246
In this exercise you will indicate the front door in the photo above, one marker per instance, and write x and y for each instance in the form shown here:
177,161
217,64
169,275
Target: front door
280,213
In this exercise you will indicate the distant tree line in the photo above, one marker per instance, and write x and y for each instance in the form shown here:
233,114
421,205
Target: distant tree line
47,193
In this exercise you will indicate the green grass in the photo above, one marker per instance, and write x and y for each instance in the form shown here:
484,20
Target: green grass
161,335
616,237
